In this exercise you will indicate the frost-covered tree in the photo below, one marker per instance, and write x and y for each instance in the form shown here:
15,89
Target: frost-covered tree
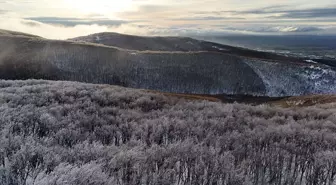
74,133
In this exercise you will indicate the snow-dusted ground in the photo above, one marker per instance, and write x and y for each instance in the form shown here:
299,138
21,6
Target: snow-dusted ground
282,79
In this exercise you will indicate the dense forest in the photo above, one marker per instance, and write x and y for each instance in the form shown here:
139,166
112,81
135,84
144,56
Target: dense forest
67,133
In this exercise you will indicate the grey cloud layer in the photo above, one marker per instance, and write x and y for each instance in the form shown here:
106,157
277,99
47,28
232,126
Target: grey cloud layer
76,21
200,18
283,10
293,13
2,11
172,17
180,29
311,13
277,29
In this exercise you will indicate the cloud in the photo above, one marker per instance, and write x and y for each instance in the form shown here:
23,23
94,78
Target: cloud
263,10
277,13
70,22
284,11
207,18
48,30
194,30
310,13
277,29
55,31
2,11
151,12
53,19
154,8
30,23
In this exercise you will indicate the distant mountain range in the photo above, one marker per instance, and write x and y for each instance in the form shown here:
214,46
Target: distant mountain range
183,44
312,46
168,64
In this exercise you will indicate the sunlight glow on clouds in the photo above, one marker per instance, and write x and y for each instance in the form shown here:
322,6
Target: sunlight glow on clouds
69,18
99,6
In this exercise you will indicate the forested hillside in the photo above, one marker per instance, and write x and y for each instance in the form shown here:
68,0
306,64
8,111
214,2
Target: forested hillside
66,133
202,72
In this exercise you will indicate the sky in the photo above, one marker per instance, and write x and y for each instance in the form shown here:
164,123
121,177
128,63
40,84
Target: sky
64,19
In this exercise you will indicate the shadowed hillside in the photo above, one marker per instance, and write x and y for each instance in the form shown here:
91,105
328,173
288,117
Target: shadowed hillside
66,133
198,72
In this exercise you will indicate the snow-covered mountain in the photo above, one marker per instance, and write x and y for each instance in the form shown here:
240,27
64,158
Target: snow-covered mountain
223,70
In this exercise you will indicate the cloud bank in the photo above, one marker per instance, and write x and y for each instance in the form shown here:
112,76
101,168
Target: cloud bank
70,21
171,17
64,28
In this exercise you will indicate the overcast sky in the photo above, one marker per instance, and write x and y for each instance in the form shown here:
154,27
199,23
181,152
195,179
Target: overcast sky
70,18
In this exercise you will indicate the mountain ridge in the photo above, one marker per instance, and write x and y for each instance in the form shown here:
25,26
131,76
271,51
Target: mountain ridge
175,43
200,72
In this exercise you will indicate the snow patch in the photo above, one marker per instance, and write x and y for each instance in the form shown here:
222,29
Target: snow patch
315,67
189,42
311,61
221,49
98,38
296,103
